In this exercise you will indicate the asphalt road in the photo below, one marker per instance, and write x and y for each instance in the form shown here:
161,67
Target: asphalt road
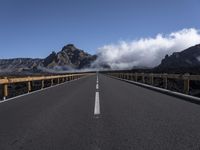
121,116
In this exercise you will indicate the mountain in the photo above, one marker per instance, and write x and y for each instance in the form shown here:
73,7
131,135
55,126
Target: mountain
18,64
185,60
68,58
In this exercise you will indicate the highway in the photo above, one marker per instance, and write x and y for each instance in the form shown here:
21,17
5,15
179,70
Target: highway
99,113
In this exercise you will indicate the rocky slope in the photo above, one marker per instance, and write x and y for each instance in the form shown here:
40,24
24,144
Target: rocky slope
185,60
18,64
68,58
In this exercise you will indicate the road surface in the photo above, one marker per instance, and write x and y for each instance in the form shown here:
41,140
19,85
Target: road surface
99,114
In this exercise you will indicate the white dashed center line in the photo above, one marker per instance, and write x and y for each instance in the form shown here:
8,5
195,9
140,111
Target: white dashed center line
97,86
97,101
97,104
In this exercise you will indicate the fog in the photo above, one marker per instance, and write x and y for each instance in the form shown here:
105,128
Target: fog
146,51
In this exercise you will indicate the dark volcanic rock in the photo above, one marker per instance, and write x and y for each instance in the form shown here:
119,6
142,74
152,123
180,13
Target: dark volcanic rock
18,64
68,58
186,59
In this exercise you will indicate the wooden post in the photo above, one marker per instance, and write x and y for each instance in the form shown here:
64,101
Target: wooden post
58,80
165,80
186,83
143,78
29,86
42,84
151,79
5,89
51,82
132,77
129,76
136,77
126,76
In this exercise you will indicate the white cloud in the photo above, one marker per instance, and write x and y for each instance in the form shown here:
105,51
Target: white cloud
146,52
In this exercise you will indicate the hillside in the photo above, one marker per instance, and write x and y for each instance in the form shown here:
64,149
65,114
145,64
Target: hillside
187,60
68,58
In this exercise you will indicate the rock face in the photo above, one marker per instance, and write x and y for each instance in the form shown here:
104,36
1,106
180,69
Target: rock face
18,64
189,58
68,58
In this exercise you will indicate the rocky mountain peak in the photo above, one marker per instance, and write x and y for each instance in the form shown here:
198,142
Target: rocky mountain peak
69,47
69,57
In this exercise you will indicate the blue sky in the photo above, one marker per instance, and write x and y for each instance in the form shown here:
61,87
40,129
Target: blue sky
34,28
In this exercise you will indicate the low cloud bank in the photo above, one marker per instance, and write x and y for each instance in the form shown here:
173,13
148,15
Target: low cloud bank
146,52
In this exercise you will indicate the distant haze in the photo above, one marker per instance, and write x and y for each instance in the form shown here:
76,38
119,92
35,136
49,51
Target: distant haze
146,51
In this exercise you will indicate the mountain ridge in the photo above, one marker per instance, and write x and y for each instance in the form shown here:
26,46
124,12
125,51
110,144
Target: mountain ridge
188,59
68,58
71,58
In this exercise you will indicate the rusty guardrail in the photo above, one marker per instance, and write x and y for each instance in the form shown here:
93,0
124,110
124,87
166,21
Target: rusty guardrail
151,76
63,78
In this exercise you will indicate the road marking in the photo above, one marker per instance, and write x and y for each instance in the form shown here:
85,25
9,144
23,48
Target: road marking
97,78
97,104
97,101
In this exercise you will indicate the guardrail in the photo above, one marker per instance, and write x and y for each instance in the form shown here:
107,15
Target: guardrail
60,79
151,76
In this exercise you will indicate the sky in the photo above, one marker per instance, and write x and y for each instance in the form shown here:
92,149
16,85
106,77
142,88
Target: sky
35,28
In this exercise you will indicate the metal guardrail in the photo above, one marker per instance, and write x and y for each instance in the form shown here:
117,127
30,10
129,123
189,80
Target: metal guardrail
151,76
63,78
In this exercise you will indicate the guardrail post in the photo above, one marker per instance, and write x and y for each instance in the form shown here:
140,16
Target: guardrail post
51,82
58,80
121,75
186,83
29,85
129,76
136,77
42,84
165,80
151,79
143,78
132,77
5,89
